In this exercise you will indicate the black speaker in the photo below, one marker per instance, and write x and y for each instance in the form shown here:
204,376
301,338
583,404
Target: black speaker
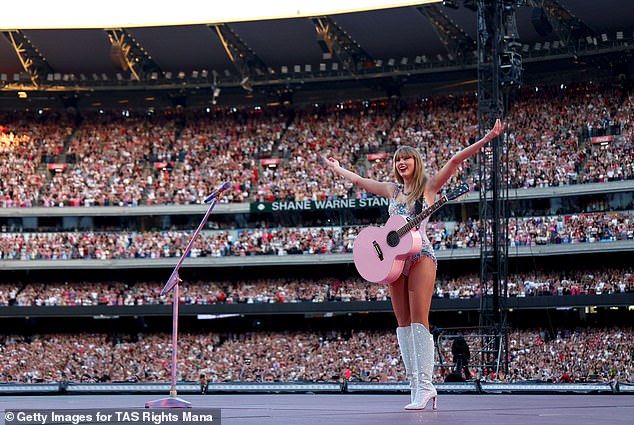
540,22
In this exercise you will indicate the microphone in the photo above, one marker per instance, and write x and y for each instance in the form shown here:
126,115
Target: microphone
217,192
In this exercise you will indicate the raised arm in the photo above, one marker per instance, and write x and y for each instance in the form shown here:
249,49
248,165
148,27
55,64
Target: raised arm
439,179
378,188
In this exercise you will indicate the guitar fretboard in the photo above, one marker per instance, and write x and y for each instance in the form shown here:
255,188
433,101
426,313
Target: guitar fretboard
422,216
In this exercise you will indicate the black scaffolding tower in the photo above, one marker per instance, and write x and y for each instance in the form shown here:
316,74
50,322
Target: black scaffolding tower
499,71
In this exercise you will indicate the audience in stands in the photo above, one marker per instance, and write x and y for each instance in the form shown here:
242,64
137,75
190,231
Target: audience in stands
526,231
288,290
578,134
562,355
556,136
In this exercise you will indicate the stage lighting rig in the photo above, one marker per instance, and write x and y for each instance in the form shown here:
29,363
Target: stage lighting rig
510,68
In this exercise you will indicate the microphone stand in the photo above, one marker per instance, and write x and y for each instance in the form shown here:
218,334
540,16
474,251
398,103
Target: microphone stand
172,283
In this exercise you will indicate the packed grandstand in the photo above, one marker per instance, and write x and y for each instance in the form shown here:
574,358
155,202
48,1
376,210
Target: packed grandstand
57,167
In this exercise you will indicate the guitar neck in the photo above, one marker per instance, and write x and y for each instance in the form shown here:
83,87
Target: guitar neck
422,216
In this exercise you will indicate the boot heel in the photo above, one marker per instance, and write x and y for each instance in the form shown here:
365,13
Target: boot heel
434,406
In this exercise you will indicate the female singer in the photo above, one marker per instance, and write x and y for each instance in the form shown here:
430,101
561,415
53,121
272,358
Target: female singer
412,291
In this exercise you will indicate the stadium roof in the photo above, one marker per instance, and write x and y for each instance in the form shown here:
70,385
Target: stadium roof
301,48
44,14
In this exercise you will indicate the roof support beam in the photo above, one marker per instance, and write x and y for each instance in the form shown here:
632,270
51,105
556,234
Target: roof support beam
131,56
336,42
568,27
33,62
248,64
457,42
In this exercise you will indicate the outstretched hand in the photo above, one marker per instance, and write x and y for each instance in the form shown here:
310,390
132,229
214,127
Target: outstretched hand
498,128
330,161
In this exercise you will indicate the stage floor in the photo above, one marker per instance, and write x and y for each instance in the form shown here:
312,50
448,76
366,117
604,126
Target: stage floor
351,409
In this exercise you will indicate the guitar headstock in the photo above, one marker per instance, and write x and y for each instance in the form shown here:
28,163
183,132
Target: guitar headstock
457,192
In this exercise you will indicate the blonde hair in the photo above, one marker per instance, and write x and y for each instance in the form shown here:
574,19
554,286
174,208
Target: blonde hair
420,177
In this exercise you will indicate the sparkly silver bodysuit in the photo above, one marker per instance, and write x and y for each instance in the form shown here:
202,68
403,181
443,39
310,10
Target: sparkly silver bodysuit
427,250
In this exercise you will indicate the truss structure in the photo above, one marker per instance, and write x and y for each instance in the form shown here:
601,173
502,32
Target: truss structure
33,62
336,43
248,64
564,23
493,186
131,56
457,42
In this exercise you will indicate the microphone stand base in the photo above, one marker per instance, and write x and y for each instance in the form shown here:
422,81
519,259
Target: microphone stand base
172,402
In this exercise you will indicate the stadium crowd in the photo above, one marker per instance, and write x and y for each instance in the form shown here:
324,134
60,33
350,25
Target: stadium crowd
107,157
272,154
26,147
556,136
287,290
563,355
526,231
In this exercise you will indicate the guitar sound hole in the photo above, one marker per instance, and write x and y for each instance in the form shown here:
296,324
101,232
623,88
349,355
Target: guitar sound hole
393,239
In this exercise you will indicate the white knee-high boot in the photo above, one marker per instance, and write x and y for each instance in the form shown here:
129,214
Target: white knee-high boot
405,344
423,343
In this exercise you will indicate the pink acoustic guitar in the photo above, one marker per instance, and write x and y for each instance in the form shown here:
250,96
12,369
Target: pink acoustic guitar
380,252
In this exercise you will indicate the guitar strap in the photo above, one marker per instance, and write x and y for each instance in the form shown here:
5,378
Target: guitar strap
418,208
418,205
